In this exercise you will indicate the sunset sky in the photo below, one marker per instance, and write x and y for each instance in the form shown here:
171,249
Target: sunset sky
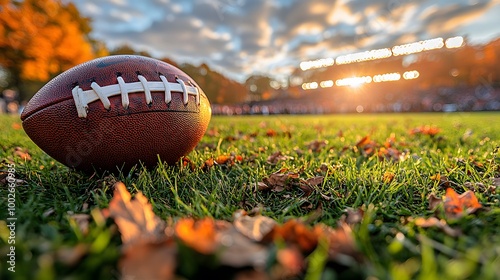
243,37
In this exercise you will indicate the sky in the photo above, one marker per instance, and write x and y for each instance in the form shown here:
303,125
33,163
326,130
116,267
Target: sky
239,38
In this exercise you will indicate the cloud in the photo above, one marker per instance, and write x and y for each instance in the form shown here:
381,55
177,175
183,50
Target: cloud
241,37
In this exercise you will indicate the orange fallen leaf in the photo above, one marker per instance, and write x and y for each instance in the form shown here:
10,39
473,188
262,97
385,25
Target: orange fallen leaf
455,205
292,262
388,177
200,235
425,130
22,153
16,126
295,233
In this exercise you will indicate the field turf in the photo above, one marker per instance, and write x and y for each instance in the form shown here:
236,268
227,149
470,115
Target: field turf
386,165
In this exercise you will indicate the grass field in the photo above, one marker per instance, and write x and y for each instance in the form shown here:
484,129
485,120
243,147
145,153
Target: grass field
389,175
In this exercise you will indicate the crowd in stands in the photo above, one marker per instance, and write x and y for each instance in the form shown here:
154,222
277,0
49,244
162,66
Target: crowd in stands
9,103
442,99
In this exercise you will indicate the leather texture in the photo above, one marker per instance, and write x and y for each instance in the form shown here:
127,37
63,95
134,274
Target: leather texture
118,138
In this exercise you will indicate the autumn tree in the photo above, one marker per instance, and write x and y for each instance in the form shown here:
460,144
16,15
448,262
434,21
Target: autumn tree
40,39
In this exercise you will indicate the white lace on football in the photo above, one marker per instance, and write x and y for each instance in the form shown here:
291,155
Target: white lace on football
84,97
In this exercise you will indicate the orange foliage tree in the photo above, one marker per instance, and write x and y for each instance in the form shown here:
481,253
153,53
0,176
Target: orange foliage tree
40,39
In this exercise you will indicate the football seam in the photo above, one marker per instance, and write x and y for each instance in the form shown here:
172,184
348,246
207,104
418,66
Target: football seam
84,97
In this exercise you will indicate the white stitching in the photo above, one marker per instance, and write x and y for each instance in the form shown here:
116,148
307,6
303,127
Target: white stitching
98,91
147,92
168,90
83,97
184,90
124,92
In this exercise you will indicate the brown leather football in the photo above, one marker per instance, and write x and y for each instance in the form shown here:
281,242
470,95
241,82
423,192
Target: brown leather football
114,112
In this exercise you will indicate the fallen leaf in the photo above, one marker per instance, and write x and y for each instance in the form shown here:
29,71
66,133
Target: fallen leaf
425,130
454,205
146,260
237,250
134,217
16,126
341,244
277,157
388,177
316,146
200,235
353,216
307,186
22,153
292,262
279,181
295,233
254,228
271,133
437,223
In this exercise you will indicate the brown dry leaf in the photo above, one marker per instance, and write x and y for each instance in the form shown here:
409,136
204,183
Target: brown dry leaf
366,146
307,186
341,243
316,146
353,216
434,201
277,157
200,235
134,216
389,153
440,224
254,228
279,181
146,260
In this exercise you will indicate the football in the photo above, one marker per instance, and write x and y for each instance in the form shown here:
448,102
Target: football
114,112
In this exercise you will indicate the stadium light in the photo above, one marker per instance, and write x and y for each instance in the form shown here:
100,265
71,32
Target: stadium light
319,63
454,42
358,81
353,81
411,48
417,47
410,75
363,56
388,77
326,84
